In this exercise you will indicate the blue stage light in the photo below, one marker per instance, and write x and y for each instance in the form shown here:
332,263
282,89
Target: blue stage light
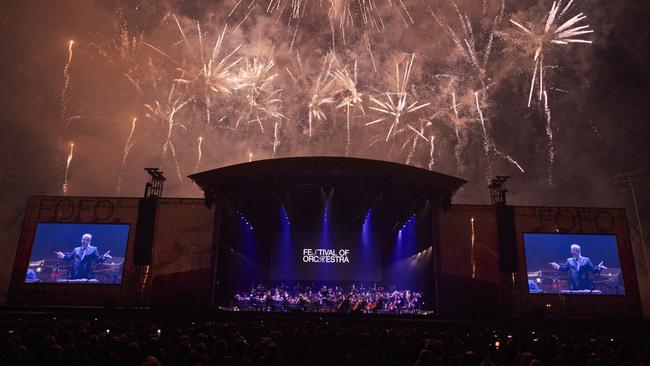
366,230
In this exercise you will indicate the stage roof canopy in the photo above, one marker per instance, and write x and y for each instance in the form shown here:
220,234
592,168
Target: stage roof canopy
340,172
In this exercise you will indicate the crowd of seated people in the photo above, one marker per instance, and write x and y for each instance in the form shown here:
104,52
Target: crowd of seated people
342,299
146,340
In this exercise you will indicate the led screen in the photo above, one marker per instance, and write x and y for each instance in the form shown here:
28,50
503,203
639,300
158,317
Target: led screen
78,253
573,264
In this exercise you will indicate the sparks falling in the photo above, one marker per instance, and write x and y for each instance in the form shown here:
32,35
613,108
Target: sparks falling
472,250
322,93
125,154
549,133
486,138
66,80
461,142
66,186
432,150
164,113
199,154
352,98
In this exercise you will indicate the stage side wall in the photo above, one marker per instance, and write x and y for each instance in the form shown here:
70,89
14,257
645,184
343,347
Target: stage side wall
468,265
182,272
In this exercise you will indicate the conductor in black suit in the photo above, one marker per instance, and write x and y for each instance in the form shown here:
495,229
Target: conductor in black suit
84,256
580,268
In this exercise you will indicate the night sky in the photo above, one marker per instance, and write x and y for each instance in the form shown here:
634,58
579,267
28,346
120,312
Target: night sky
141,59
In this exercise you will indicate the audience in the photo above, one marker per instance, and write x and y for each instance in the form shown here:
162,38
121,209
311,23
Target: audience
154,341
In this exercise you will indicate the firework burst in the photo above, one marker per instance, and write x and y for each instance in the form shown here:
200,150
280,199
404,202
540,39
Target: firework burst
211,73
555,31
211,102
255,79
396,105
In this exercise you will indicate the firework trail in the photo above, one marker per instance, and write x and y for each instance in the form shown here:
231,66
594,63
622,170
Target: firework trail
343,16
351,99
125,154
460,142
554,32
66,79
161,52
276,140
467,43
322,92
454,106
166,114
66,186
432,150
294,9
495,24
472,253
403,12
486,139
507,157
396,102
198,154
369,48
182,32
549,133
417,135
489,145
341,12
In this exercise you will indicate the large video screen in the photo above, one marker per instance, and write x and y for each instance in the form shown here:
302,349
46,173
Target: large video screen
573,264
78,253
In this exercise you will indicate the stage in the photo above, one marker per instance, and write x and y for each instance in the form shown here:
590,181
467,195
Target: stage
326,235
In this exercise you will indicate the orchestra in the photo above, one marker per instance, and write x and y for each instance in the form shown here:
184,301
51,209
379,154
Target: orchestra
353,299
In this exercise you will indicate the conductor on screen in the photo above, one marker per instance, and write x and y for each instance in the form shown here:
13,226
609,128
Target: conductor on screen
83,257
580,267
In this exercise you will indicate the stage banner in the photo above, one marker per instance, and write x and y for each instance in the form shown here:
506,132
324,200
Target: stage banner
183,236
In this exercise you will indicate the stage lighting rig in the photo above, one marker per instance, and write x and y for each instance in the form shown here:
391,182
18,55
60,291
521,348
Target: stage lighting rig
497,191
154,187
